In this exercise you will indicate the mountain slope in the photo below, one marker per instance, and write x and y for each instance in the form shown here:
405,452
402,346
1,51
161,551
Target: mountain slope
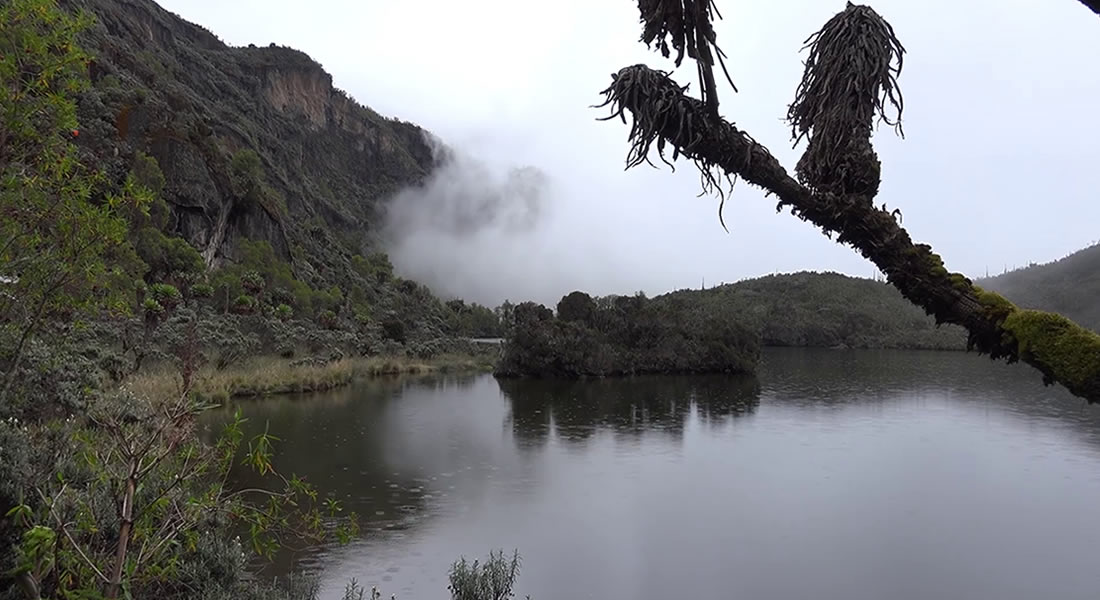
1069,286
173,90
827,310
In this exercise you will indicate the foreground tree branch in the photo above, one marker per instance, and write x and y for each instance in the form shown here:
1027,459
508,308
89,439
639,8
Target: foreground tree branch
662,112
1093,4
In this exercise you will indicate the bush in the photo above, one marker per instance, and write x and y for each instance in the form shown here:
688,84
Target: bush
167,295
151,306
492,580
393,329
202,290
362,314
166,255
146,173
284,312
253,282
328,300
245,304
327,319
375,267
246,164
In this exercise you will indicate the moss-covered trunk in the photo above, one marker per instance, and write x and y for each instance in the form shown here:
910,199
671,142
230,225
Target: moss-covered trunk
663,113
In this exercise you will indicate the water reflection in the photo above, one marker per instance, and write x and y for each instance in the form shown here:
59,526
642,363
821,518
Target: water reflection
574,411
817,379
831,475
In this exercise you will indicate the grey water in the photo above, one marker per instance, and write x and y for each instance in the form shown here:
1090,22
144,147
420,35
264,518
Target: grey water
831,474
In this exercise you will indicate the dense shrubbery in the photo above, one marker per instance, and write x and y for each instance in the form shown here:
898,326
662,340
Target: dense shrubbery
623,335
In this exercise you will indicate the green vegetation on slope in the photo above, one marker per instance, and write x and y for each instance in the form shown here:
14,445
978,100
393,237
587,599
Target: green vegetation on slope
1069,286
256,165
826,310
157,240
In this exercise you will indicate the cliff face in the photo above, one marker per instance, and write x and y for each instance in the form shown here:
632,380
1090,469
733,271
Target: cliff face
173,90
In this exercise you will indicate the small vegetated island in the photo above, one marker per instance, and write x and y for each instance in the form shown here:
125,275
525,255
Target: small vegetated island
717,330
625,335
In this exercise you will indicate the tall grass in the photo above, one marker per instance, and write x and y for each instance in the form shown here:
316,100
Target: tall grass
267,375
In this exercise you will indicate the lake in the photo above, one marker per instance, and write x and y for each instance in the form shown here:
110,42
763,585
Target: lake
832,474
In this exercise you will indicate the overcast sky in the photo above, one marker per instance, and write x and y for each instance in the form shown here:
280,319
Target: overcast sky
998,167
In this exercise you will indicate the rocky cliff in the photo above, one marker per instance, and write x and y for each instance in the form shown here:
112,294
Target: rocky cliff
173,90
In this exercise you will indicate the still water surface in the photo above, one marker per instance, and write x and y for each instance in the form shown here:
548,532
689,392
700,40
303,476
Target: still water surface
847,475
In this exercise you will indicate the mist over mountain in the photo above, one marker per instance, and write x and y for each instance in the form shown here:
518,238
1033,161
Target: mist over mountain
485,229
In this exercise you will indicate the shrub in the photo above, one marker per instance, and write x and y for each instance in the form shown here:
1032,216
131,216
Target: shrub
330,299
393,329
492,580
362,316
151,306
374,267
166,255
167,295
253,282
246,165
283,312
146,173
327,319
245,304
202,290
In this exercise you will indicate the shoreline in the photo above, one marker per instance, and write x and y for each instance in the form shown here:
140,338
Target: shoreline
272,375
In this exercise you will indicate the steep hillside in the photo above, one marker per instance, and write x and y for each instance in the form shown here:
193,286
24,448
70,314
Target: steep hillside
1069,286
827,310
255,146
173,90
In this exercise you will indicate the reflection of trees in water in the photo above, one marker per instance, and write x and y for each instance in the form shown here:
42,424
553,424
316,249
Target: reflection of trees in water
336,440
631,406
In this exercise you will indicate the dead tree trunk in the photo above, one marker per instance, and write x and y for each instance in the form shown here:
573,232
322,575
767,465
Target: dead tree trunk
840,178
